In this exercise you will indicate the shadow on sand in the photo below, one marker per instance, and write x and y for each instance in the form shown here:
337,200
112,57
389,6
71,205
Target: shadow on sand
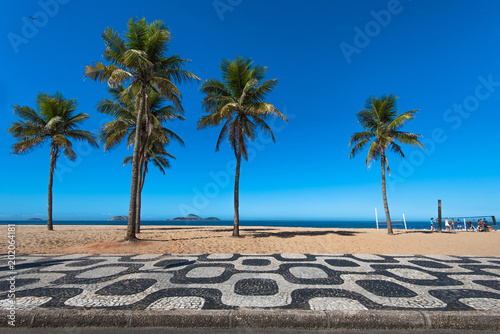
266,233
422,232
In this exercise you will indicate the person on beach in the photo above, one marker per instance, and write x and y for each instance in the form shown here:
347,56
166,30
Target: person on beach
447,225
453,224
432,224
480,226
459,224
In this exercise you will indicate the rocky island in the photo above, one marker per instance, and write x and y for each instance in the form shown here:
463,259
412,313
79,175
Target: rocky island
35,220
118,219
191,217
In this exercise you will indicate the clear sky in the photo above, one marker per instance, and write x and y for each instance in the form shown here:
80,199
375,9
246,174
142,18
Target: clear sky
442,57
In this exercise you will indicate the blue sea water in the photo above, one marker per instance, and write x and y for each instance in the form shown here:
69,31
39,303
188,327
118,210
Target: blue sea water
243,223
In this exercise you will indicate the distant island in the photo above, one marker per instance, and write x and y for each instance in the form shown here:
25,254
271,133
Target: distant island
118,219
35,220
192,217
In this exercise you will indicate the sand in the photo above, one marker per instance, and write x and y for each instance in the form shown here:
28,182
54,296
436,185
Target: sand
77,239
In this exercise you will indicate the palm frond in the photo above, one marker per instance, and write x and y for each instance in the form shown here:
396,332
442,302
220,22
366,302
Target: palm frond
401,119
99,72
115,46
83,136
360,144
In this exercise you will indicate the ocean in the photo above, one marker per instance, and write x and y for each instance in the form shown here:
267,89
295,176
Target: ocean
411,225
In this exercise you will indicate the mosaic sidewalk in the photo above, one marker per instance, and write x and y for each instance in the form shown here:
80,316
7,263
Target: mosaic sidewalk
233,281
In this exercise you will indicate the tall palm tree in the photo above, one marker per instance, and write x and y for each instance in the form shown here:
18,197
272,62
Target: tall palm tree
56,123
237,102
140,60
382,123
154,135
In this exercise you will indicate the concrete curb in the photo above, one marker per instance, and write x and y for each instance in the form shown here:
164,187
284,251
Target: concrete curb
257,318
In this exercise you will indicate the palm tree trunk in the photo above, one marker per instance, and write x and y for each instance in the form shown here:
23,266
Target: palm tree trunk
53,157
142,177
384,195
132,212
138,198
236,226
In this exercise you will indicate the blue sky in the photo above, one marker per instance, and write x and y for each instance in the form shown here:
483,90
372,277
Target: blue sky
442,57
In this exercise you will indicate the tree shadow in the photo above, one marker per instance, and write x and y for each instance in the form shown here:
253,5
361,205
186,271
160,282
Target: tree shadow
182,239
37,265
169,228
292,234
423,232
259,233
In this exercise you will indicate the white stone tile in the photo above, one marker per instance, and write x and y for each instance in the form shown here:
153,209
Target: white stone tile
495,271
101,272
219,256
293,256
308,272
335,304
205,272
172,303
24,303
411,273
482,304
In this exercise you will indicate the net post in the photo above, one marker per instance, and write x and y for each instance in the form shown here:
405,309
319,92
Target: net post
404,219
439,216
376,218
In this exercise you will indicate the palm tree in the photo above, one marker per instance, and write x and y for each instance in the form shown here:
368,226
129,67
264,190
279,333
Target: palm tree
237,102
57,123
154,135
140,60
381,122
153,152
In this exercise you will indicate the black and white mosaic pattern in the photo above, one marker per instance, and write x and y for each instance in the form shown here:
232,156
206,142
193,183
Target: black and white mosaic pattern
231,281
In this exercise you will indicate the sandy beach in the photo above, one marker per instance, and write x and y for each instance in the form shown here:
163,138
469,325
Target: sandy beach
72,239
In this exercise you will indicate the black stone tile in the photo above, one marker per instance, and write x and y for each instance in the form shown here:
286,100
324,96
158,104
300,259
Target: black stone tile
19,282
490,284
35,265
341,263
204,258
478,269
126,287
256,287
171,264
441,279
430,264
384,259
84,263
308,258
385,288
256,262
459,259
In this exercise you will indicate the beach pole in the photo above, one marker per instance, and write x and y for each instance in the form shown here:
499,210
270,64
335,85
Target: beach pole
376,217
439,216
404,219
